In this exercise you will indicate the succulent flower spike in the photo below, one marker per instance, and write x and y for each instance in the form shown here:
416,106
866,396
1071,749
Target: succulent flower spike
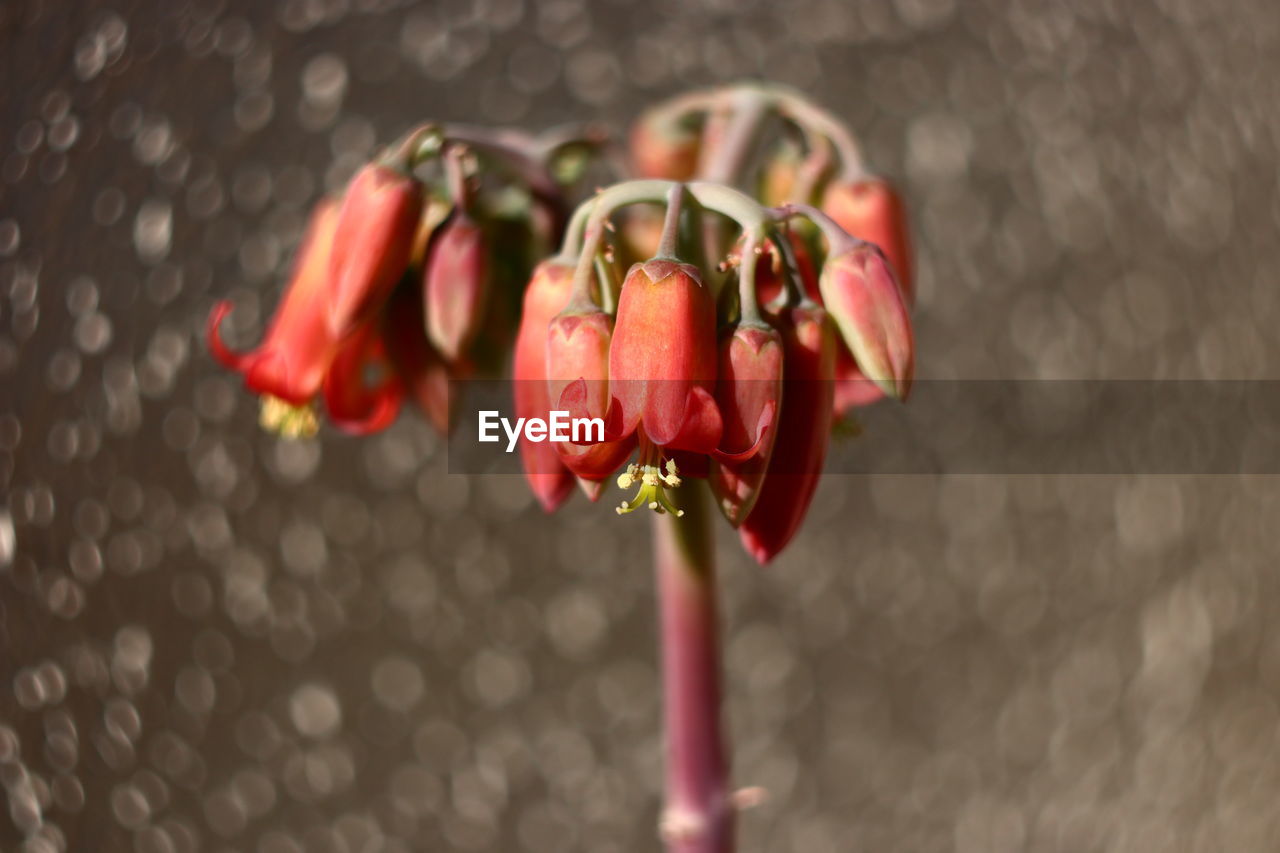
456,280
859,289
665,146
374,241
662,362
424,373
289,366
546,294
749,394
804,427
362,391
871,210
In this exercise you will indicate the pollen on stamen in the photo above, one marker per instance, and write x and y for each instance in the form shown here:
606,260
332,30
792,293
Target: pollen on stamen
286,419
653,488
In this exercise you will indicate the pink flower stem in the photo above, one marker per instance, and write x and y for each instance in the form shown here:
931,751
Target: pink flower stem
698,813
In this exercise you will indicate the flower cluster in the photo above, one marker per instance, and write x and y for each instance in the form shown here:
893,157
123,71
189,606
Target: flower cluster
733,370
716,333
409,280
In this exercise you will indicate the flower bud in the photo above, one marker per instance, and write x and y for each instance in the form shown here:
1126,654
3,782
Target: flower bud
640,234
804,428
374,242
662,147
853,388
291,362
546,294
860,291
871,210
749,395
662,362
779,175
455,280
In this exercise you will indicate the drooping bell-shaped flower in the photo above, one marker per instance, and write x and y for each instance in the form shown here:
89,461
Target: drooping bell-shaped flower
665,147
289,366
749,391
373,243
362,390
456,282
546,294
860,290
662,361
804,427
871,210
578,345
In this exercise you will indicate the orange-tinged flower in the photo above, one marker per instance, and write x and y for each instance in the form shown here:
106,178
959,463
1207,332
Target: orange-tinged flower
860,291
666,148
662,361
749,394
871,210
546,294
578,346
290,364
804,427
373,243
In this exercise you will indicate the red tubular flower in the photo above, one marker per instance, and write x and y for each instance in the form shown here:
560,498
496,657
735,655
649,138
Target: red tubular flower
362,390
860,291
871,210
291,362
804,427
456,283
547,293
578,346
662,362
748,393
663,148
374,241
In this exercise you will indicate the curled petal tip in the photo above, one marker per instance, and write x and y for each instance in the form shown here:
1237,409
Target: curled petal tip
757,549
225,356
383,415
593,489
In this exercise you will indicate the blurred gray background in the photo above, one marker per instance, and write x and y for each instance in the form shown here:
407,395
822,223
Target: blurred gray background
214,640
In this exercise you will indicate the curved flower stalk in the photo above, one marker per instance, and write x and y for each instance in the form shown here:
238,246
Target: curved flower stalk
687,366
815,160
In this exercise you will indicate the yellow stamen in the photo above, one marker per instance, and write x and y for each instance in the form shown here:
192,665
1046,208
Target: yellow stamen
286,419
653,488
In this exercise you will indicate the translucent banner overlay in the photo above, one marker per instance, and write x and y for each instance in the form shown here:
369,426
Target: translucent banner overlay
1218,427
